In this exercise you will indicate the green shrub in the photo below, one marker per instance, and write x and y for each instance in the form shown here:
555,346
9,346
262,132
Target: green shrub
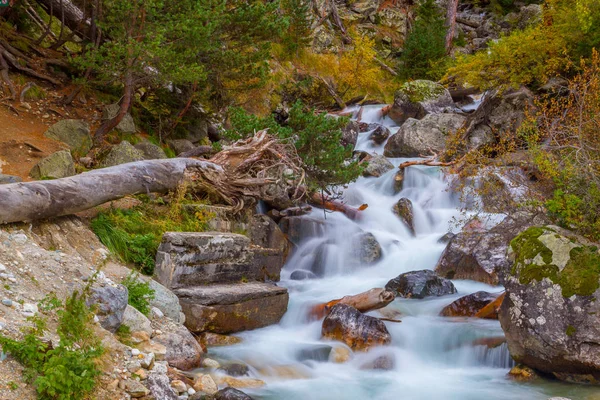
424,52
316,136
140,293
68,371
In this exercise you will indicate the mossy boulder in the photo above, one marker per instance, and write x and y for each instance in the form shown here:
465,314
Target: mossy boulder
56,165
418,98
551,314
150,150
122,153
127,125
74,132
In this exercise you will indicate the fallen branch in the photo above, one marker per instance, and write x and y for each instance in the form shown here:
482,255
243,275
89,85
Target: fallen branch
370,300
330,204
385,66
338,100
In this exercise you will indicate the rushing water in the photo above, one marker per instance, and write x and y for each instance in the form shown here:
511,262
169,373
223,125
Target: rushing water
434,357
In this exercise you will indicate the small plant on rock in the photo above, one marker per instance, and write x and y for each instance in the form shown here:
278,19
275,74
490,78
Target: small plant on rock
140,293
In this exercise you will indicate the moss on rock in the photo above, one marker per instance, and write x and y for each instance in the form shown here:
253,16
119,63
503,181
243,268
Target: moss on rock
422,90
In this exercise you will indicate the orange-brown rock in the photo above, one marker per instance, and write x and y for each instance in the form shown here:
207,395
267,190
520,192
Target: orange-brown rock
468,306
491,310
360,332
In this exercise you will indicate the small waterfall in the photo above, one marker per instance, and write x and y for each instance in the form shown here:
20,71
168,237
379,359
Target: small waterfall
434,357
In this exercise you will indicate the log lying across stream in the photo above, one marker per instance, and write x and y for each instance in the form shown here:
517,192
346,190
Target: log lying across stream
370,300
30,201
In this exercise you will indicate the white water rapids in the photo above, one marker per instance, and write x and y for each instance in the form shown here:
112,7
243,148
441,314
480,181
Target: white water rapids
435,357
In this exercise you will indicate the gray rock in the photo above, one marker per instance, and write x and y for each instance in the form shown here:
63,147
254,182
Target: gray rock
136,321
135,389
264,232
418,98
481,136
197,130
110,303
377,165
419,137
468,306
56,165
420,284
399,181
122,153
4,179
550,313
150,150
366,248
446,238
297,228
404,210
7,302
350,134
74,132
230,308
358,331
186,259
230,393
127,125
166,301
380,134
300,275
181,145
183,350
160,386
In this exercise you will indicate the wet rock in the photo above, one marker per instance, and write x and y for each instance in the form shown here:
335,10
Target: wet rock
166,301
122,153
136,321
183,351
360,332
550,313
315,353
300,275
4,179
230,308
297,228
399,181
419,137
186,259
418,98
404,210
127,125
74,132
384,363
365,249
350,134
150,150
181,145
56,165
446,238
420,284
377,165
230,393
522,373
110,303
235,369
380,134
264,232
469,305
340,354
210,339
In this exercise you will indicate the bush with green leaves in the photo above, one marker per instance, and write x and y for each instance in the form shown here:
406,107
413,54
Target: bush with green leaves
316,136
70,370
424,52
140,292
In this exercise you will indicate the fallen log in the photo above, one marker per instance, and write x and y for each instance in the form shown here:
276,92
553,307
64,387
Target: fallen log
28,201
323,201
370,300
430,162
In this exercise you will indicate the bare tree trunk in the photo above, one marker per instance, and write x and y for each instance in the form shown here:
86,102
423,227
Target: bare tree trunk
370,300
6,77
112,123
451,23
44,199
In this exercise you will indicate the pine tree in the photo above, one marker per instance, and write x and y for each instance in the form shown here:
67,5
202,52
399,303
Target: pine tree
298,35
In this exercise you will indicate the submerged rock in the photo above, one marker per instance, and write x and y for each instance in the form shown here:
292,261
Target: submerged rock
469,305
300,275
404,210
365,248
420,284
550,313
360,332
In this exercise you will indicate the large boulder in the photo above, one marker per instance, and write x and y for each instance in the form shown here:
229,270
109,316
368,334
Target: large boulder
420,284
150,150
109,303
136,321
74,132
360,332
377,165
183,350
418,137
127,125
550,315
122,153
468,306
186,259
56,165
230,308
418,98
404,210
166,301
